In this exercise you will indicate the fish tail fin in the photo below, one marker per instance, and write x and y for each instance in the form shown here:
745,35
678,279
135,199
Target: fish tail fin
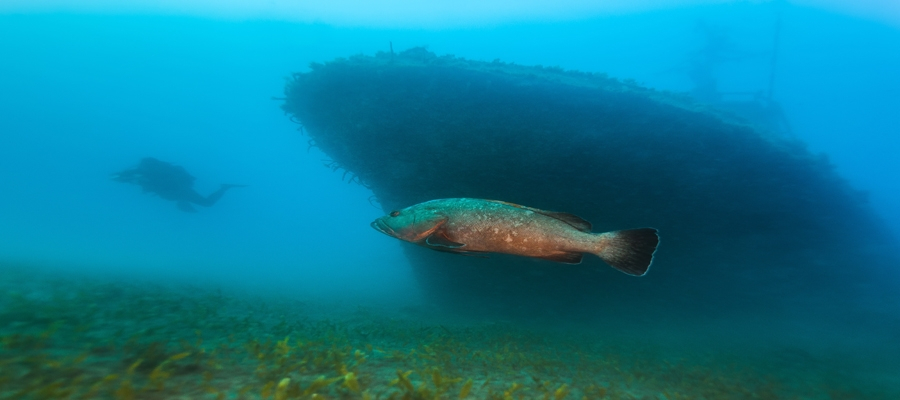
630,251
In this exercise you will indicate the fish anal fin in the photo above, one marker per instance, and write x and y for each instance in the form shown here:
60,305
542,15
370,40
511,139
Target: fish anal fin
439,239
564,257
575,221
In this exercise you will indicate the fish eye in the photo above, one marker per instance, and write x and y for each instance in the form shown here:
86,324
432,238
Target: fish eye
395,213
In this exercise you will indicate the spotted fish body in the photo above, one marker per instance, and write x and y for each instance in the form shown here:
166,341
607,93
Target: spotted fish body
473,226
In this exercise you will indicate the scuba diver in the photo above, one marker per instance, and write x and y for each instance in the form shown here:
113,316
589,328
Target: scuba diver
171,182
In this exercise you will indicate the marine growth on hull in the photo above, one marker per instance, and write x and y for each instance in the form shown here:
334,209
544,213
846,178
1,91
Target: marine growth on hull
736,205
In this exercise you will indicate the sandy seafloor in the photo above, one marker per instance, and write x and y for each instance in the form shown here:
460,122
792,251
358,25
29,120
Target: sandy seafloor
64,335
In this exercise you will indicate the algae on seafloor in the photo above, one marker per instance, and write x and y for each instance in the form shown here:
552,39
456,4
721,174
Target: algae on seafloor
147,342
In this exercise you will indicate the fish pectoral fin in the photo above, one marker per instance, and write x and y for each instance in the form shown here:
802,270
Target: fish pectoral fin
564,257
426,234
440,239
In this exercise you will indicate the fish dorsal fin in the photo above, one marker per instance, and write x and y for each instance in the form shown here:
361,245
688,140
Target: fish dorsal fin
564,257
575,221
439,239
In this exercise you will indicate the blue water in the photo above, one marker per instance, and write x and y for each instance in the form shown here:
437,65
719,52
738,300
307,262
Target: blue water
84,94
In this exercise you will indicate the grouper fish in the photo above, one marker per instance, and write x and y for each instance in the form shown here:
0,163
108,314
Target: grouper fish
476,226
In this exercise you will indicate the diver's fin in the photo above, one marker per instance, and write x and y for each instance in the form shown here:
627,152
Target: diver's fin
186,207
575,221
440,239
567,257
630,251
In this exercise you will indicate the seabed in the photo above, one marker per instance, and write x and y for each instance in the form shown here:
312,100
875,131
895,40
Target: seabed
70,337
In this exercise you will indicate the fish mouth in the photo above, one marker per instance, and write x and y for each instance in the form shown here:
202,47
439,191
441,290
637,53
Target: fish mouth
380,226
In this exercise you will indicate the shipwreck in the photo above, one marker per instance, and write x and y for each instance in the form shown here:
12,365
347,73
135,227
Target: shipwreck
748,217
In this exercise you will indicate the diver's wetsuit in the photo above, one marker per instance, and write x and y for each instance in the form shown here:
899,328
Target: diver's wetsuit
170,182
